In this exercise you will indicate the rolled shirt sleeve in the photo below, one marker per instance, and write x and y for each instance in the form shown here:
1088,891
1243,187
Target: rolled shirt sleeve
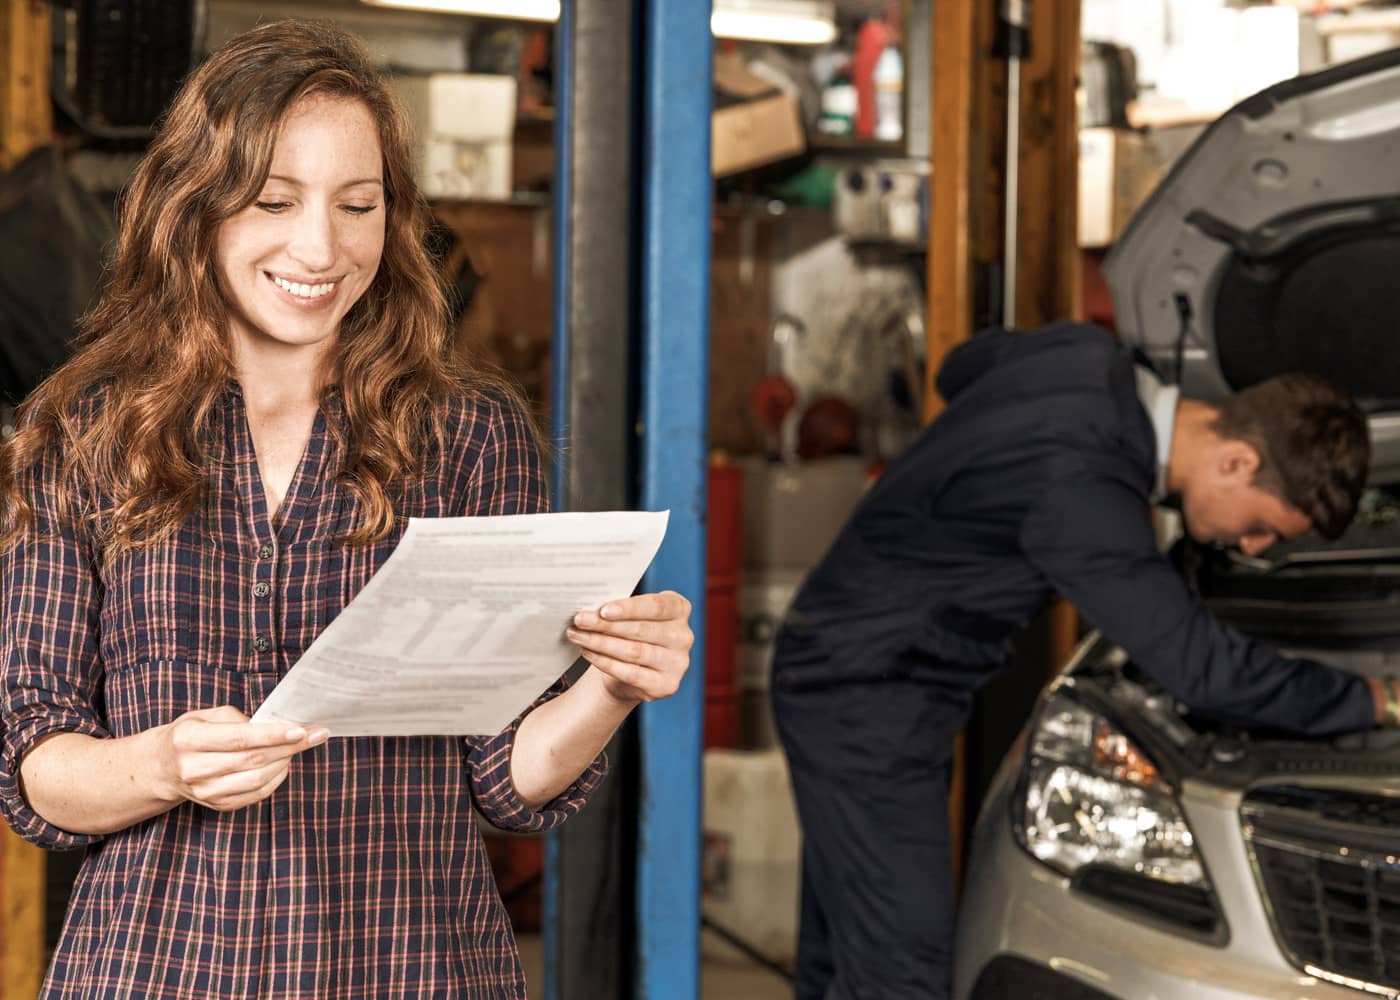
508,480
48,650
1092,539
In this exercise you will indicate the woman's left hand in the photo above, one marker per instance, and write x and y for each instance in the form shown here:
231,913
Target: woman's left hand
640,645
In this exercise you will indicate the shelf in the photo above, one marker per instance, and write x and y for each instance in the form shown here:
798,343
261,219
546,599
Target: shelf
854,145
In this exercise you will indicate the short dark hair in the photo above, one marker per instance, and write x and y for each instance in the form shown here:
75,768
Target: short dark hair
1313,445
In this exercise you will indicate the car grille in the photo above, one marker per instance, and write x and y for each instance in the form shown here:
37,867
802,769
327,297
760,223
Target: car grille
1328,862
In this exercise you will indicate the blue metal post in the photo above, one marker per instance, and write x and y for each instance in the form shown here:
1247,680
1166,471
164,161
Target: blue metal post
563,132
675,298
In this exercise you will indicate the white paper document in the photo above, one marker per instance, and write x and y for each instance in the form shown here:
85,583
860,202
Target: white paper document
463,626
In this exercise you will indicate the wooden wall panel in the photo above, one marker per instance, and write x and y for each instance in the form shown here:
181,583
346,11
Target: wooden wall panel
740,311
21,917
26,114
510,321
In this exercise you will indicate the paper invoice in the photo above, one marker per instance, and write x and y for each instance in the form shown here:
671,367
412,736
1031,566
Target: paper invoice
463,626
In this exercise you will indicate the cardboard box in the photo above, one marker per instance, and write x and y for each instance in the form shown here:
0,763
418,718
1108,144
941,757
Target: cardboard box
463,125
1118,169
753,122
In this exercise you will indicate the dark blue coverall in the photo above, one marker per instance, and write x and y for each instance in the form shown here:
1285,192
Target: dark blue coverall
1036,478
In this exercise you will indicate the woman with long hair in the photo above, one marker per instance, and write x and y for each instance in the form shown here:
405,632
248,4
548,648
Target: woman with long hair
263,396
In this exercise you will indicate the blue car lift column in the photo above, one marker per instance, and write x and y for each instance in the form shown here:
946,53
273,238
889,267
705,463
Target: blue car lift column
675,329
632,252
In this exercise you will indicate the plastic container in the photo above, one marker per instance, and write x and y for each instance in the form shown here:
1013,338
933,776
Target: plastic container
751,869
889,95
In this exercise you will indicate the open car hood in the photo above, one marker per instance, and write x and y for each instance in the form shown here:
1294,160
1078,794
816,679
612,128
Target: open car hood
1274,246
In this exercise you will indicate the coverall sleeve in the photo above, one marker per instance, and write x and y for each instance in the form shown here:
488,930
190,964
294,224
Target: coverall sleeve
1091,537
508,480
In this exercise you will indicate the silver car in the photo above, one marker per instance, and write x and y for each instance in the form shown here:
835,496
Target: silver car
1129,850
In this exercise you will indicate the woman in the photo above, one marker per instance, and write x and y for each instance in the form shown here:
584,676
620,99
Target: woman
262,397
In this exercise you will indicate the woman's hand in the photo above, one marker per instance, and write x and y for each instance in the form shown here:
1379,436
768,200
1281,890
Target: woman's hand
219,759
640,645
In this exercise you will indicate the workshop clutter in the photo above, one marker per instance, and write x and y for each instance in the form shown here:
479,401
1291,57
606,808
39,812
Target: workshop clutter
750,870
464,124
754,122
1118,168
769,522
726,484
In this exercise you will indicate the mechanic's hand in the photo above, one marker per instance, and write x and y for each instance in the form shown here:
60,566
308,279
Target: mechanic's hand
640,645
217,758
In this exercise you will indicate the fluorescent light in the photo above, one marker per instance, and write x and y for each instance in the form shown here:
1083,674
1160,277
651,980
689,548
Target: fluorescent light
794,22
772,26
522,10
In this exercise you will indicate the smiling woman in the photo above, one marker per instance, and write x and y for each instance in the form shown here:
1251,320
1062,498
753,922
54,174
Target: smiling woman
262,398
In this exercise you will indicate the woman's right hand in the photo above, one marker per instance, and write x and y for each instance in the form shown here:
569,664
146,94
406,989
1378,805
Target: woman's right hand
219,759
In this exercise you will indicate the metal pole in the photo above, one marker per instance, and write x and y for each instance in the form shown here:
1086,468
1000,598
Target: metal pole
675,298
1013,178
1015,41
589,863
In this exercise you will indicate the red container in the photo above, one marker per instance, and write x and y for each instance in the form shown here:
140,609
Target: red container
722,605
722,526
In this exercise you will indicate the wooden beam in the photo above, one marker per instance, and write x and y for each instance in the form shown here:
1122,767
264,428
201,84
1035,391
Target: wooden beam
21,917
26,113
950,277
969,106
1048,250
1047,254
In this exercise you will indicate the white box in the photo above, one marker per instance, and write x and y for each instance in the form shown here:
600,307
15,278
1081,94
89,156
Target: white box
463,124
1118,168
753,850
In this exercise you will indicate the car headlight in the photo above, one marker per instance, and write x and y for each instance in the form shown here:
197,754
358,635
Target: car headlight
1092,798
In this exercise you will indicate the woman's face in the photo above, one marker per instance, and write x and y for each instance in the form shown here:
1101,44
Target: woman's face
293,263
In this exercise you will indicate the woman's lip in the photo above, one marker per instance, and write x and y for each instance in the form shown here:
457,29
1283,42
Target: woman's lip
299,300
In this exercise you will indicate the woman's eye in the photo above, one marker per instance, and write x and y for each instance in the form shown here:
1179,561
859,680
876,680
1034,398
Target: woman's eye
273,206
360,209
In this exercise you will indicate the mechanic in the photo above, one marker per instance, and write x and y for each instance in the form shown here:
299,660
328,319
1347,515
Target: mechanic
1038,477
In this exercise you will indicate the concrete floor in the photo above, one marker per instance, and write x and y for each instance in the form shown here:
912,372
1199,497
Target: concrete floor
718,980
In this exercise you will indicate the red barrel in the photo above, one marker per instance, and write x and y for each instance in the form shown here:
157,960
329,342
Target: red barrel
722,559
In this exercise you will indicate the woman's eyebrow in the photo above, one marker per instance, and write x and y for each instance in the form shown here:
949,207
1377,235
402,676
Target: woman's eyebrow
348,184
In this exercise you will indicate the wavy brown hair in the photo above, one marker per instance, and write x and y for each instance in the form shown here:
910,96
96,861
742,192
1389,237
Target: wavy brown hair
155,350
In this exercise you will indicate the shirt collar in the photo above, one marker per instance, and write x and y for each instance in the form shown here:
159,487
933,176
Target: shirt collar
1159,400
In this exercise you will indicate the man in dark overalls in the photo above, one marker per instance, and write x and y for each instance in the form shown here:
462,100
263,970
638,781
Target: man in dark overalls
1038,477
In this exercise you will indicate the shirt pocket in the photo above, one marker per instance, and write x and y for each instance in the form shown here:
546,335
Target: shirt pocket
154,692
149,602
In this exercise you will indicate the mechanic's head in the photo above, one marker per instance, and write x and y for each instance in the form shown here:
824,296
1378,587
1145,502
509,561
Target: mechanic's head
1281,457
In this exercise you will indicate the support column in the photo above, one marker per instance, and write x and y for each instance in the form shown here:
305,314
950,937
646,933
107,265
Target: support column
969,110
589,862
26,122
675,330
26,115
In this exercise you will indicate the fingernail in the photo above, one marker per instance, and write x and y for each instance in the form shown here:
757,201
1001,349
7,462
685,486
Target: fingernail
573,634
295,733
585,619
319,736
610,611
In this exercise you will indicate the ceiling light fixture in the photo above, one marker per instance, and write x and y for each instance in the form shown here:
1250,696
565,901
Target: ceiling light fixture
516,10
791,22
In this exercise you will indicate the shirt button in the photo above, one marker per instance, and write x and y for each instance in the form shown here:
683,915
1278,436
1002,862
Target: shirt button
261,590
265,552
261,644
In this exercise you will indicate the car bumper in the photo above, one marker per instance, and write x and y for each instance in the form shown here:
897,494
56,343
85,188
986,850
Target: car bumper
1022,931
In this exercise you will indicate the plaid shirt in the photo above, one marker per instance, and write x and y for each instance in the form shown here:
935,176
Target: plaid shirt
364,874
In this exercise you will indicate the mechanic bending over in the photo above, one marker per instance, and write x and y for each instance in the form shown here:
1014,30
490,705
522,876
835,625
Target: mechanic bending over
1038,477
